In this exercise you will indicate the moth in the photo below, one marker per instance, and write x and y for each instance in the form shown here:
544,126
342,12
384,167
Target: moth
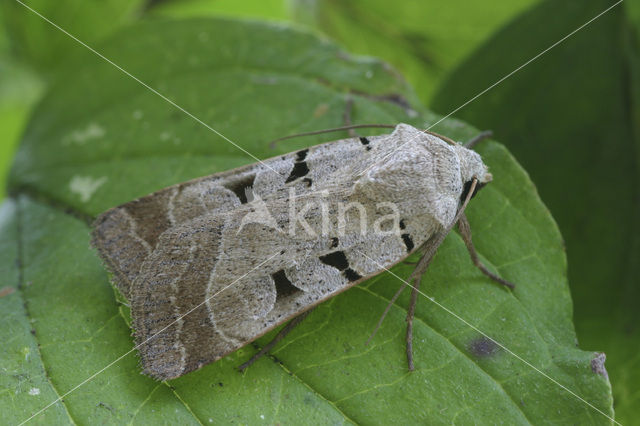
212,264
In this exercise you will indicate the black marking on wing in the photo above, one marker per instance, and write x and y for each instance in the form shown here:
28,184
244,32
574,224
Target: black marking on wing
284,287
338,260
351,275
239,186
334,242
301,155
299,170
364,141
300,167
408,242
402,224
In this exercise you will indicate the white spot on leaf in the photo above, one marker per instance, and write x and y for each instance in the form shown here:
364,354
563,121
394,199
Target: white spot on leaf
137,114
86,186
81,136
34,391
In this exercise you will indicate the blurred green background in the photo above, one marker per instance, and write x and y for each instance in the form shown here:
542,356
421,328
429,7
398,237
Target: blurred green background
571,117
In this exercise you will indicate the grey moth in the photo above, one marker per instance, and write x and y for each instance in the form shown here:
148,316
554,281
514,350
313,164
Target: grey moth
210,265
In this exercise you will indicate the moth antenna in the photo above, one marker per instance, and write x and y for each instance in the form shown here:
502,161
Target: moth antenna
480,137
384,314
272,144
444,138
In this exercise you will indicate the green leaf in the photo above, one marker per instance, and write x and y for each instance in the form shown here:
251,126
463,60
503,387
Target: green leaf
568,118
99,139
19,89
424,39
36,41
263,9
24,385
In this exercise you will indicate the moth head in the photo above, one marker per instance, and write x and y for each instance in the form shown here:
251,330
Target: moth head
471,166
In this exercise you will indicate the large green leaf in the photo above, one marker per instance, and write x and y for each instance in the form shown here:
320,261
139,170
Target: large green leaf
35,40
98,139
19,89
568,118
18,93
424,39
263,9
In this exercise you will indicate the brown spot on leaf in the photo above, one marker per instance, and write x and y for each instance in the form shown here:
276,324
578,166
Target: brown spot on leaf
5,291
597,364
320,110
483,347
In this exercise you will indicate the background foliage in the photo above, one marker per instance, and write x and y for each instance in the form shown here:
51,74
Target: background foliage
570,118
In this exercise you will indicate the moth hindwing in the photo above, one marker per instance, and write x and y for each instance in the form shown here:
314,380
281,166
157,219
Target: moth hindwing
212,264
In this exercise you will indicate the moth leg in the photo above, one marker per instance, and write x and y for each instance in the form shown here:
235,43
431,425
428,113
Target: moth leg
384,314
285,330
465,232
429,249
480,137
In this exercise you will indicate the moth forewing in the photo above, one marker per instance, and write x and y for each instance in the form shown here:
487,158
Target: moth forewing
191,258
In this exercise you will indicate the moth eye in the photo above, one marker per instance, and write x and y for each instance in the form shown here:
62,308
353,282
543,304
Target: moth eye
467,188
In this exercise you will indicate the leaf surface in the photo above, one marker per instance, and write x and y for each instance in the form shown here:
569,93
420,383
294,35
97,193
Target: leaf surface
99,139
37,42
575,129
424,39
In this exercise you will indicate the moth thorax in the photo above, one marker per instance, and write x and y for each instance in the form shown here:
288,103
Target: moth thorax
413,180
